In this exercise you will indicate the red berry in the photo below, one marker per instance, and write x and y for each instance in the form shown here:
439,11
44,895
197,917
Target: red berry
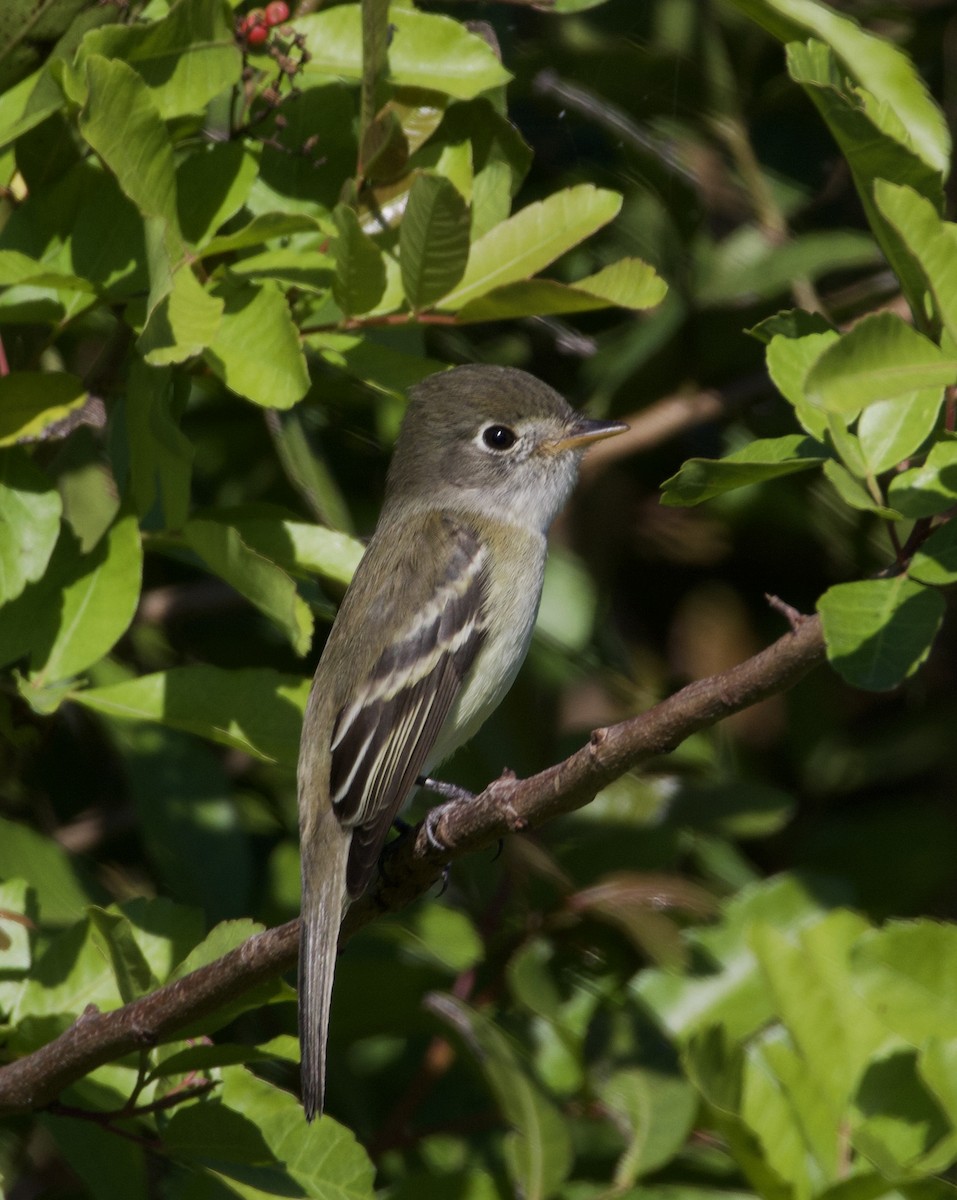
277,12
257,34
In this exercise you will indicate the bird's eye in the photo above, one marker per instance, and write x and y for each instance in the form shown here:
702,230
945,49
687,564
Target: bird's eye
499,437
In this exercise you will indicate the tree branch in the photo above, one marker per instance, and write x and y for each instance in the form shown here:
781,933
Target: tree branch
413,864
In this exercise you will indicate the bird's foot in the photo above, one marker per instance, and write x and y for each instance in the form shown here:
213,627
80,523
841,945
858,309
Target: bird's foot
448,791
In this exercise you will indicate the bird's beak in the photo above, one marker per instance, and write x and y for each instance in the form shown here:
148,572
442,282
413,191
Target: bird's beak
585,430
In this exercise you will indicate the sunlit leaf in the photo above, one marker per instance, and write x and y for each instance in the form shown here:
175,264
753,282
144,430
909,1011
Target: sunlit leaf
879,631
702,479
532,239
256,710
425,50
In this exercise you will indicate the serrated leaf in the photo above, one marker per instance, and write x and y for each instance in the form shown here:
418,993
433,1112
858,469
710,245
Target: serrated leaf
433,240
533,238
426,50
256,351
628,283
929,489
936,561
30,510
30,401
702,479
262,582
256,710
880,358
879,631
360,271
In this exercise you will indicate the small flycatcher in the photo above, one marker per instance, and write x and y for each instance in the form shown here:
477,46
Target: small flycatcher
429,636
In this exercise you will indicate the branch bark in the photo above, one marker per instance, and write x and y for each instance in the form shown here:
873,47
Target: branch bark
413,864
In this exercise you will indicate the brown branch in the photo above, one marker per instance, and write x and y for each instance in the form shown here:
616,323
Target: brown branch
413,864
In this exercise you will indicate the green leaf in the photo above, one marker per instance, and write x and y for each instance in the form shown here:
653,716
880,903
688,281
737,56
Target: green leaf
186,59
188,820
907,971
538,1151
929,489
183,323
789,360
833,1032
853,492
79,609
891,430
727,987
256,710
532,239
25,854
751,264
433,240
881,67
86,1148
114,933
656,1111
425,51
879,631
71,973
932,242
266,227
17,918
628,283
443,936
27,104
296,545
792,324
936,561
30,401
30,510
137,147
876,145
881,358
212,185
160,455
702,479
253,576
322,1158
256,351
360,271
17,269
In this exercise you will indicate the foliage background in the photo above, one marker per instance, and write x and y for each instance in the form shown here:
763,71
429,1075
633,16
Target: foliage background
733,975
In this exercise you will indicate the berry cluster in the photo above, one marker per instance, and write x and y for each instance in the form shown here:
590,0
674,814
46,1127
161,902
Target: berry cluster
254,27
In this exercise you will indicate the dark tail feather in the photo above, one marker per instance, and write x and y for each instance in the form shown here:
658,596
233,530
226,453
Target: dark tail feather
323,874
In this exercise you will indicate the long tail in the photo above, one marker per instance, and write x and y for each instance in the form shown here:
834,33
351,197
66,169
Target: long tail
324,856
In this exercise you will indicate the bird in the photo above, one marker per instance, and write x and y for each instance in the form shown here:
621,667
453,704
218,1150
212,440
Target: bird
428,638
